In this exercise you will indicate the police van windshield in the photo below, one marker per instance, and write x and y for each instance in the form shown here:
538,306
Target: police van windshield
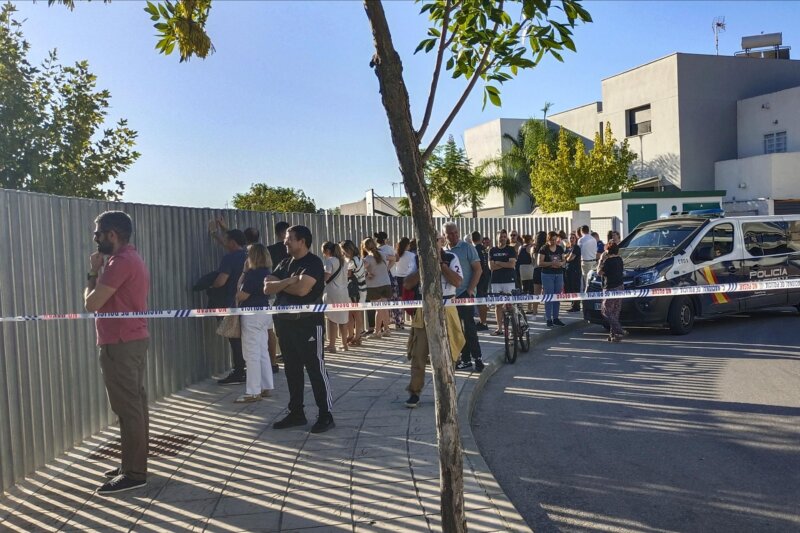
666,235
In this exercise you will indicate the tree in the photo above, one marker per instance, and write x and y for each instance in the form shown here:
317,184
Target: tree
451,180
262,197
482,42
561,175
50,118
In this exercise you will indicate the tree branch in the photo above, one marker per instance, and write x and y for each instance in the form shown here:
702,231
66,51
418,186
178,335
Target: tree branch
436,70
482,67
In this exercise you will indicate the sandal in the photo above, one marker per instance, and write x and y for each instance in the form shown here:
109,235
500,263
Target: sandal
355,342
330,349
497,332
248,398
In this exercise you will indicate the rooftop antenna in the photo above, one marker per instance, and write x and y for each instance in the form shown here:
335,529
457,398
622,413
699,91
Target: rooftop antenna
718,26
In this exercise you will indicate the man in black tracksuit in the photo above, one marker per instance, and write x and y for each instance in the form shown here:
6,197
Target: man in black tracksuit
298,280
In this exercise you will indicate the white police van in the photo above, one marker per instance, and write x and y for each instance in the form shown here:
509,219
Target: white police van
704,248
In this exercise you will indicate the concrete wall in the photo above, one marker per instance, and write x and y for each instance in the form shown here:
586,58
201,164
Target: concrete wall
656,84
765,114
710,87
764,176
486,141
583,120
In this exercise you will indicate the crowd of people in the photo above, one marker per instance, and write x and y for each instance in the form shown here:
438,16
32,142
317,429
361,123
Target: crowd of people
289,273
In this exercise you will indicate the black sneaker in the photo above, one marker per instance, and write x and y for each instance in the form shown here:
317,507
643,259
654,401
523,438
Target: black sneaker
480,326
114,472
463,365
479,365
120,483
323,423
557,322
276,369
412,401
549,323
234,378
291,420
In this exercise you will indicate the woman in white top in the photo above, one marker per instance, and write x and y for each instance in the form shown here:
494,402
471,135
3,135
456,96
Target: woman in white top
379,284
335,293
356,271
405,265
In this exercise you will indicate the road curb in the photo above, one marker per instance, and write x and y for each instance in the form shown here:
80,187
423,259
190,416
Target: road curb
473,460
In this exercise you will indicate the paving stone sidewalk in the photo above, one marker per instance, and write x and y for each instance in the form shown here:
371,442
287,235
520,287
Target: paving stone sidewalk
219,466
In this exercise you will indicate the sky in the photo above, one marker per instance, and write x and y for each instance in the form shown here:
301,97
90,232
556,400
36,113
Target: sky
289,99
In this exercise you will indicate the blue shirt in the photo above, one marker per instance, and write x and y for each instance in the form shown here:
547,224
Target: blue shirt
467,254
232,264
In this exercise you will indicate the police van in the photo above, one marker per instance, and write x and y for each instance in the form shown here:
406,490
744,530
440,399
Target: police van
704,248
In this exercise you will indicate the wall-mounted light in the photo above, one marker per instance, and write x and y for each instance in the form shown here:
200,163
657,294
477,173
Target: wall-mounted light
743,185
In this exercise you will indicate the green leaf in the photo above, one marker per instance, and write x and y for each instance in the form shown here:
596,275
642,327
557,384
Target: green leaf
163,11
556,55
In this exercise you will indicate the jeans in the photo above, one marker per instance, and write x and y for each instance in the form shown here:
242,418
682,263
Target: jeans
552,284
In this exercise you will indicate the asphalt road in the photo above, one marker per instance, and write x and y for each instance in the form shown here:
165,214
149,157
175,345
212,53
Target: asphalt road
658,433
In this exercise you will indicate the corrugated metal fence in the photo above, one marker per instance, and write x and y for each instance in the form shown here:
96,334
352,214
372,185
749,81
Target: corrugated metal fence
52,392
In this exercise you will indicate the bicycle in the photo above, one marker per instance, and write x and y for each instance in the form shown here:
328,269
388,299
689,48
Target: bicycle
516,332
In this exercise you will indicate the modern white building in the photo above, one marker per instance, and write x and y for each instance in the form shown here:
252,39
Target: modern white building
765,176
682,114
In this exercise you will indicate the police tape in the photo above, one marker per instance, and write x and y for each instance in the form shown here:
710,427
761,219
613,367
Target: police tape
687,290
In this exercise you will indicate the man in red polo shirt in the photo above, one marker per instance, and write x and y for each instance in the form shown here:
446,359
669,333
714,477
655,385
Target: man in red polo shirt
120,283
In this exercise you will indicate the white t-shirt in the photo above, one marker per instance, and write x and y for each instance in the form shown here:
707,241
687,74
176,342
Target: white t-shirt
387,252
588,248
405,265
455,265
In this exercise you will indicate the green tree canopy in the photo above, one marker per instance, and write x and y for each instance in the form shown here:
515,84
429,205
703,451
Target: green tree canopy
451,182
561,175
262,197
50,125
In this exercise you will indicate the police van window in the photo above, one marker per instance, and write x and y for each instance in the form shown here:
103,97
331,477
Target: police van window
765,238
793,235
717,242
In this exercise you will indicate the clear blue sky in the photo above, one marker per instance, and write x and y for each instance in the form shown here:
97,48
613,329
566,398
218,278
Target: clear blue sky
289,98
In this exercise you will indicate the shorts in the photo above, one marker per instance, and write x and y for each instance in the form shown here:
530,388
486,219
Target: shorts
383,292
537,276
500,288
483,287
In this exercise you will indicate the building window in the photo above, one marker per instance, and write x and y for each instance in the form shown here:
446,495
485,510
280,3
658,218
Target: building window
638,120
775,142
601,130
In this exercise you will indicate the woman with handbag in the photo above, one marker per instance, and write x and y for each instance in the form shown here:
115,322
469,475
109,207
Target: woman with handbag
255,339
335,293
356,290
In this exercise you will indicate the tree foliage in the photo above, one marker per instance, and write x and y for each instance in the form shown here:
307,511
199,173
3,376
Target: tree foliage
262,197
562,174
50,125
451,182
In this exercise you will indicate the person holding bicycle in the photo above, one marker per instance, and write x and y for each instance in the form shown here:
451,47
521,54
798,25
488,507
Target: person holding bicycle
502,263
551,259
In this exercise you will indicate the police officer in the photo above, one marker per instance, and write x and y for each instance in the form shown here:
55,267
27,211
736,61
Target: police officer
299,280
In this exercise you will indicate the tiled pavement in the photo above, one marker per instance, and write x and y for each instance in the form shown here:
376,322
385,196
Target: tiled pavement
219,466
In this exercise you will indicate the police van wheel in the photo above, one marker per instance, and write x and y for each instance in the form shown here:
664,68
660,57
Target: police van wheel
681,316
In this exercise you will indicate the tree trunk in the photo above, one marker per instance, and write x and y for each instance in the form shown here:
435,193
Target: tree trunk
389,71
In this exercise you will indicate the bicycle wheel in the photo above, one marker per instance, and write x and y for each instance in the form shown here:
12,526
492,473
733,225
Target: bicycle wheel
509,338
523,331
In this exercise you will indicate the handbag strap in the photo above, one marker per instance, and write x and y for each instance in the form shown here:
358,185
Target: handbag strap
335,273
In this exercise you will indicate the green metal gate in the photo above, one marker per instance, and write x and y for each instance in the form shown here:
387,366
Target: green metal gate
638,213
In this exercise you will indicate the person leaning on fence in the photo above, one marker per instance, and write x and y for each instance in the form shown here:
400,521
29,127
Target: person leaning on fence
228,274
418,350
612,270
255,328
121,285
298,280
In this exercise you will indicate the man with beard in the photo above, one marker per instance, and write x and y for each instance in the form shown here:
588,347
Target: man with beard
121,284
298,280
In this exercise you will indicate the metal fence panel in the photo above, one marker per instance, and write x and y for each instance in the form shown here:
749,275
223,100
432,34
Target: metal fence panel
52,391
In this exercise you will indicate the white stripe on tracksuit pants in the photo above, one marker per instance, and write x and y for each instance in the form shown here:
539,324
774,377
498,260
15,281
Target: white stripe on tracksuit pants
302,347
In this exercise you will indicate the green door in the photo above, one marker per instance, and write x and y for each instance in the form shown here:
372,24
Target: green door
700,205
638,213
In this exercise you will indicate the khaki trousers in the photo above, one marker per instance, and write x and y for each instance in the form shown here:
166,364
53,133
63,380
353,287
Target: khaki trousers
123,367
